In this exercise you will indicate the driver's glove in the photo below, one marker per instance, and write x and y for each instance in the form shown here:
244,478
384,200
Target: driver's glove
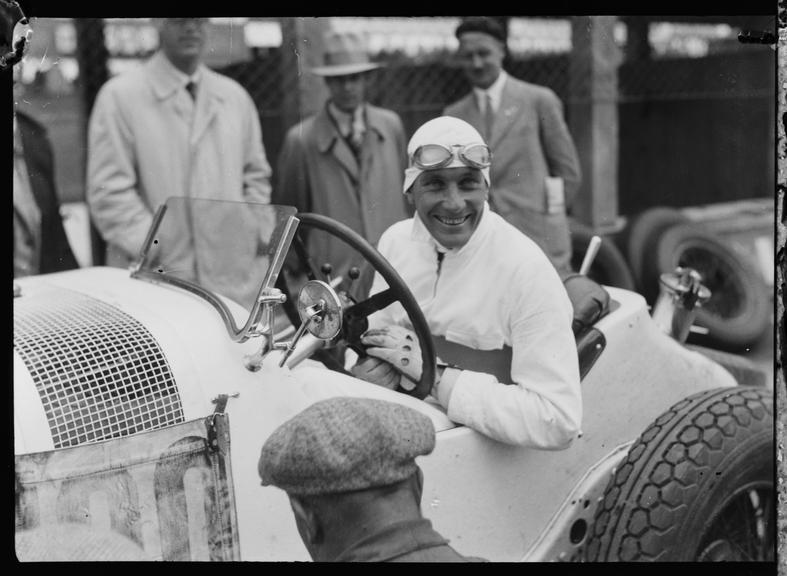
377,372
400,348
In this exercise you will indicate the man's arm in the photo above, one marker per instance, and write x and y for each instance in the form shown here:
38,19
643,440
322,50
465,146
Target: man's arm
112,195
256,169
542,408
559,149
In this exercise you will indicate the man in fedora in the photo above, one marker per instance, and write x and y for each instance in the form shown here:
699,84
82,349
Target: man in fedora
347,160
535,173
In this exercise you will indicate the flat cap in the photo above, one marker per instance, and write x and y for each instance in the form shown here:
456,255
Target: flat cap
344,444
482,24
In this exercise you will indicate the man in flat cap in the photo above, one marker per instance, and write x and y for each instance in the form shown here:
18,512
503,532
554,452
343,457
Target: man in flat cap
346,161
348,467
536,171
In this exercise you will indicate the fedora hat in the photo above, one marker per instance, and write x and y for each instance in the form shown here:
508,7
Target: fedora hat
344,53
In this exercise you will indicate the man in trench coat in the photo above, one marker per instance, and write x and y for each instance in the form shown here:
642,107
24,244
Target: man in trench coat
347,160
171,127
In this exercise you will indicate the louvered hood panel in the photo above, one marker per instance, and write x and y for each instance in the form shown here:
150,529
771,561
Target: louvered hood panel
109,356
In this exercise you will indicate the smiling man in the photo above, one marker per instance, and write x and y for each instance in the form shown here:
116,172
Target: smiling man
496,307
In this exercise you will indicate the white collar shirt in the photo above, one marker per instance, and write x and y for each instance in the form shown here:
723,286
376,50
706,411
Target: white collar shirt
482,297
495,92
348,123
182,78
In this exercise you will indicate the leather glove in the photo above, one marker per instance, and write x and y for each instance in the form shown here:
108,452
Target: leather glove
400,348
377,372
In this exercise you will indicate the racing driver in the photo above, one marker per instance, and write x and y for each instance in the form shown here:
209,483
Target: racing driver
496,307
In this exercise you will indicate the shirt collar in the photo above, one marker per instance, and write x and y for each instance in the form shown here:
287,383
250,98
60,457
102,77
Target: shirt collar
346,120
495,92
169,79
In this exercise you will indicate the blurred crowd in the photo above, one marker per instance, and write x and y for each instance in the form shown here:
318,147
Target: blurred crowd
174,127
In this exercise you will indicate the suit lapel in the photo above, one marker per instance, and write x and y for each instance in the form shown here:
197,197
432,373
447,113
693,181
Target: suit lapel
472,112
506,114
345,156
330,142
208,104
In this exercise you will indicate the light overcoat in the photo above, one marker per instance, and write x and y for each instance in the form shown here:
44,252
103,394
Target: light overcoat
530,141
147,142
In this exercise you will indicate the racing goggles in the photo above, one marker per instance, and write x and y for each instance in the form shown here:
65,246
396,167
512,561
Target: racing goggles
434,156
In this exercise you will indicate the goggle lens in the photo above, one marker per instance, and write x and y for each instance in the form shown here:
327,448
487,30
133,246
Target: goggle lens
478,154
433,155
437,156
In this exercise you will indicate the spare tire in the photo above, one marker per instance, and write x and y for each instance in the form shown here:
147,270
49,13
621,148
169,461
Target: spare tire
739,309
609,268
698,485
640,237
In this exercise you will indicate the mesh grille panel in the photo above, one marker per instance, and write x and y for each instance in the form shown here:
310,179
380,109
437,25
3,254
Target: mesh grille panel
100,373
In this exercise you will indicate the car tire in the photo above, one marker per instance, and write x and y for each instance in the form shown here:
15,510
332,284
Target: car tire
640,237
739,309
609,267
703,465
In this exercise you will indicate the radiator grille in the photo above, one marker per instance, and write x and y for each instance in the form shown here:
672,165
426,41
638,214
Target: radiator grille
100,373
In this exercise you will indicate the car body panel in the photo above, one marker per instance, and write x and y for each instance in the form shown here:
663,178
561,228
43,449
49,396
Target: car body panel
489,499
137,408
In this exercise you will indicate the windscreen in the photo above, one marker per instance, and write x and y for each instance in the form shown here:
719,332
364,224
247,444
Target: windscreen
225,247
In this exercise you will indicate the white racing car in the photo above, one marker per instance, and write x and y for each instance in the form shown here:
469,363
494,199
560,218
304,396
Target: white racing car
142,400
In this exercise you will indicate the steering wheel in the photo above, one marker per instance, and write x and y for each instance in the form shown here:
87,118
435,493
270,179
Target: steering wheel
355,316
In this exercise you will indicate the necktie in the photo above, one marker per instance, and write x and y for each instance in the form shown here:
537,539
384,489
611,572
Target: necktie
489,118
355,135
191,88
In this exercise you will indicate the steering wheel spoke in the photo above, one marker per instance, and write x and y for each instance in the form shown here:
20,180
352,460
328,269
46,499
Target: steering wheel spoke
355,317
372,304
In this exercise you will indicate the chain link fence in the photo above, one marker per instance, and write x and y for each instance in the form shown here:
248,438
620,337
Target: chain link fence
691,129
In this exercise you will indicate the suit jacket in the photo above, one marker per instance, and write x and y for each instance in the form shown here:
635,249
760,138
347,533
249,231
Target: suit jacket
318,172
144,145
56,254
530,141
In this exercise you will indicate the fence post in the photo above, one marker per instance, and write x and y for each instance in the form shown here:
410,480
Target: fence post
302,45
594,119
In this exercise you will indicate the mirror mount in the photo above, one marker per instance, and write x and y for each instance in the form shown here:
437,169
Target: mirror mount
320,311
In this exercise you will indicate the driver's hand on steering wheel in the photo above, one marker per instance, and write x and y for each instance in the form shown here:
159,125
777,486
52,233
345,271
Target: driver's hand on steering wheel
398,347
377,372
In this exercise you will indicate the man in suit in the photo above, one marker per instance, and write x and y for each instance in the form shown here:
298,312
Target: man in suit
171,127
346,161
40,241
535,172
